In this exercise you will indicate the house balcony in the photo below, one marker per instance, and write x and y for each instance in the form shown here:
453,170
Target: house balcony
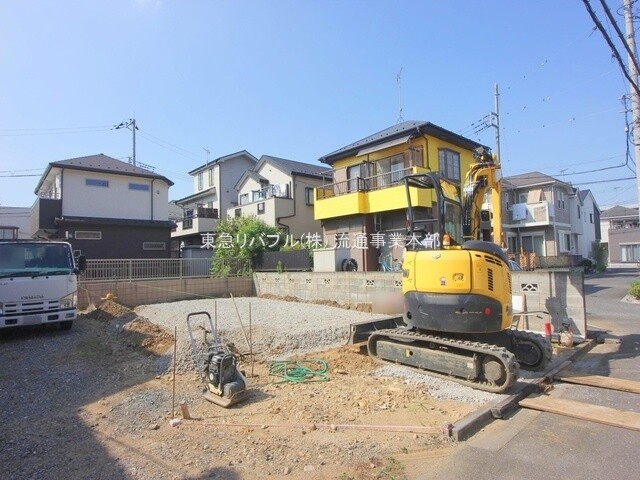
196,221
379,193
269,209
43,217
538,214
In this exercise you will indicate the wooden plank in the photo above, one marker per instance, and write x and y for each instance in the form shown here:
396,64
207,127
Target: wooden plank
599,381
584,411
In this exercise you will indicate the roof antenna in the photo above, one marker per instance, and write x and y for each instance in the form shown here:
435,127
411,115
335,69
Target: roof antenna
399,82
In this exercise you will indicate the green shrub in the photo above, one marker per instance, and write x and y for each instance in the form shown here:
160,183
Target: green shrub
634,290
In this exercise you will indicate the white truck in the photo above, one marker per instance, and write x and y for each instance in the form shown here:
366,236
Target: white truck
38,283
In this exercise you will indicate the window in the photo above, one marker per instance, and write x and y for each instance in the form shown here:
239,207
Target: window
200,181
353,174
95,182
260,208
8,233
591,218
238,212
142,187
449,162
397,166
308,195
533,243
87,235
630,252
578,206
565,241
211,177
154,245
258,195
244,199
561,196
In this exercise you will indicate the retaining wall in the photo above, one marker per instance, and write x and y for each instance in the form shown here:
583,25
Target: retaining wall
558,292
144,292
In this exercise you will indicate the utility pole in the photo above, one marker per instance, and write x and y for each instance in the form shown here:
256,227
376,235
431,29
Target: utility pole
635,101
495,121
131,125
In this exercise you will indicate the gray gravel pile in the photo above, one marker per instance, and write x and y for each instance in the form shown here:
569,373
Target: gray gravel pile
437,387
279,329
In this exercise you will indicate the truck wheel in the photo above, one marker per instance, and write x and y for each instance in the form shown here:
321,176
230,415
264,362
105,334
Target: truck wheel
66,325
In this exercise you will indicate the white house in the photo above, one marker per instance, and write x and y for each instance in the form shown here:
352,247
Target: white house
106,208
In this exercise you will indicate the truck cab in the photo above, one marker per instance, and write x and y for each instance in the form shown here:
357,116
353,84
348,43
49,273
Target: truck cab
38,283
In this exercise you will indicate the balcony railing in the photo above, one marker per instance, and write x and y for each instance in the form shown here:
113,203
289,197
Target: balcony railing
360,184
199,212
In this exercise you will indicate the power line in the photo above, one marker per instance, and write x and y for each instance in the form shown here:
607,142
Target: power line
620,34
613,48
68,132
605,181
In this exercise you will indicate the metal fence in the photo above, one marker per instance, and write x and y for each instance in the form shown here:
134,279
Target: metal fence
136,269
292,260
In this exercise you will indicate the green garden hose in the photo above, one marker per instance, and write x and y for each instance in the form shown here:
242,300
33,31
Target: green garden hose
299,371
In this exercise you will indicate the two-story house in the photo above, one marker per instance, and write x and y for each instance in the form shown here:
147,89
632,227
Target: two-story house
106,208
547,217
621,234
364,207
280,192
588,215
214,194
15,222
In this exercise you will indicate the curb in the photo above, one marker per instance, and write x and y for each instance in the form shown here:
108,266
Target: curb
474,422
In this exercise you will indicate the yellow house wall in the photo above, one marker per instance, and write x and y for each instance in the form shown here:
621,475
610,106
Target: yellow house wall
392,198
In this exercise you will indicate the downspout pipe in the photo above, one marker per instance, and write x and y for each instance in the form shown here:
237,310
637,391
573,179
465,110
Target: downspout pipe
152,180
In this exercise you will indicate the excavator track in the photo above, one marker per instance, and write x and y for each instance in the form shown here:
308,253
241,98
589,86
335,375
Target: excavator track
478,365
532,350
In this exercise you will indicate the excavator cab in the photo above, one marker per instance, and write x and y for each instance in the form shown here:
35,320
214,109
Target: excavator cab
450,285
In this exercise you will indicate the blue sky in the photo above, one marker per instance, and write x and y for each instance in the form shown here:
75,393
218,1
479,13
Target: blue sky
299,79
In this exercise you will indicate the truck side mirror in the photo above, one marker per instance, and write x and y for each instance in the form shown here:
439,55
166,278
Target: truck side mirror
82,263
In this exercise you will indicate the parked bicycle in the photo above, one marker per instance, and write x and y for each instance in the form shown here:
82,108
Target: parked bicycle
389,264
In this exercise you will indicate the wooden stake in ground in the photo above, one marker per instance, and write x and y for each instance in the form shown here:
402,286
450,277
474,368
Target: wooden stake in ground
175,348
184,408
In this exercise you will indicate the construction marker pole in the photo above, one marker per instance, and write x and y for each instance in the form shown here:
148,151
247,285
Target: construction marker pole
547,331
175,348
250,340
240,320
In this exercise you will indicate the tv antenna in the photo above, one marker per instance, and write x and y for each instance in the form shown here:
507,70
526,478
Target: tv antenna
399,82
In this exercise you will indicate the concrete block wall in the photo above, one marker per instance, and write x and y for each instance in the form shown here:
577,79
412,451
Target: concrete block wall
353,289
144,292
560,292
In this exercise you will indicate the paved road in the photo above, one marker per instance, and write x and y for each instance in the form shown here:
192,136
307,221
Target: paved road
536,445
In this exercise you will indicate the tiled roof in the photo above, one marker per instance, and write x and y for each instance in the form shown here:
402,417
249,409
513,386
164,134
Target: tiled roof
292,167
106,164
619,211
398,131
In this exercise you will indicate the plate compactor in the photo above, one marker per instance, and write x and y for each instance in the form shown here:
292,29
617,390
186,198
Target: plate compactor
224,383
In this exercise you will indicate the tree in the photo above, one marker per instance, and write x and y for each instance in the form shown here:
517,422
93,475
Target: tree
243,238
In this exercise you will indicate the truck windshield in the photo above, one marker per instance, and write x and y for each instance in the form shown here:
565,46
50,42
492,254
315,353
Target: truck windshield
35,259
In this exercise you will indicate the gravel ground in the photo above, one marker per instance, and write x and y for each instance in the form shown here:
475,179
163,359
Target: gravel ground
279,329
95,401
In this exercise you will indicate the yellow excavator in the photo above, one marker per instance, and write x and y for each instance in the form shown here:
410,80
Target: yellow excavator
456,284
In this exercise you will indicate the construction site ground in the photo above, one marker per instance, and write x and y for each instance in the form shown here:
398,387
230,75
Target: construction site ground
90,403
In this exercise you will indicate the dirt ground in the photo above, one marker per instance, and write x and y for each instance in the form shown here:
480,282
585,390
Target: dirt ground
351,426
